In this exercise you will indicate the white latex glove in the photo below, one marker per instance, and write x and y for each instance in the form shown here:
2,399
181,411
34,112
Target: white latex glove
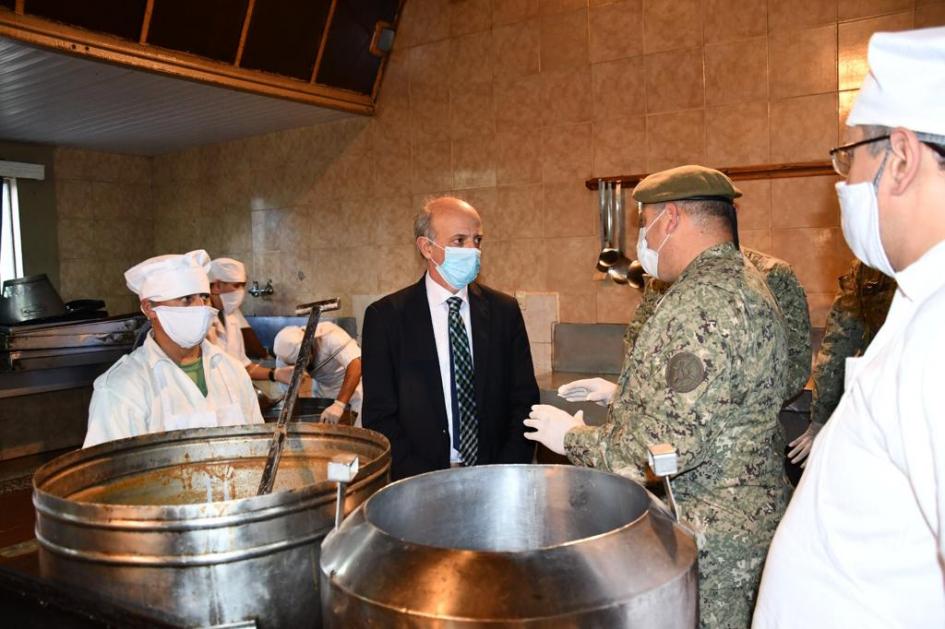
332,414
595,390
551,425
283,374
803,444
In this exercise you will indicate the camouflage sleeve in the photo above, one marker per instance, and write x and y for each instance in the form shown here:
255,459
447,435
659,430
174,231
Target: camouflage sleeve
792,300
671,392
843,337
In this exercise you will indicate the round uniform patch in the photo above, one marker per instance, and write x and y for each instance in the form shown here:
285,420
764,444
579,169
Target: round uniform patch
684,372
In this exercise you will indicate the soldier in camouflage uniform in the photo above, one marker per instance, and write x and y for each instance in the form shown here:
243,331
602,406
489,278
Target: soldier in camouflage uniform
857,314
787,291
706,372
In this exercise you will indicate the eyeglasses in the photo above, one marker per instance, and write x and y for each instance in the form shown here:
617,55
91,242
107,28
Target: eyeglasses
842,156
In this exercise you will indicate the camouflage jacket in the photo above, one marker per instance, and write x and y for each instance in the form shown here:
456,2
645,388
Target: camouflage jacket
706,373
857,314
791,299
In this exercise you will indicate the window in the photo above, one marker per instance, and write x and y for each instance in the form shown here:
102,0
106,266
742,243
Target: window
11,254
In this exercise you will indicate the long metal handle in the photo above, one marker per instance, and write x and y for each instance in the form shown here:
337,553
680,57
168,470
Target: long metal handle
277,444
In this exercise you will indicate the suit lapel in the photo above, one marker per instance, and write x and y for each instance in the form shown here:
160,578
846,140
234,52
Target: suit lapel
481,315
420,345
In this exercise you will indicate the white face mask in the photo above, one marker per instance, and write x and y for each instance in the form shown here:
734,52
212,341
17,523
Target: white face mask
233,300
859,212
187,326
649,258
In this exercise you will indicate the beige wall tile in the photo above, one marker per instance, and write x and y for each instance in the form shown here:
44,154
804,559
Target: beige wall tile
430,116
570,210
431,167
737,135
428,67
516,49
803,129
470,16
73,199
795,14
518,105
616,303
819,305
550,7
757,239
675,139
423,21
853,38
671,24
392,171
618,88
566,96
571,267
845,102
564,40
754,206
519,214
733,19
76,238
674,80
474,162
616,31
540,312
541,357
518,157
508,11
930,15
471,59
736,71
819,255
805,202
620,146
853,9
578,307
471,111
510,265
483,199
566,153
802,62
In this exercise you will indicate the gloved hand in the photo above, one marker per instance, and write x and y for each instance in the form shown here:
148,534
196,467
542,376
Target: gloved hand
803,444
595,390
332,414
551,425
283,374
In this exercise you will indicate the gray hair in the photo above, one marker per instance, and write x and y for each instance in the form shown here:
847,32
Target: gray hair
936,142
423,223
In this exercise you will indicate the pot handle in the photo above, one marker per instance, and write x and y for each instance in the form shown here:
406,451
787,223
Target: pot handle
342,469
663,460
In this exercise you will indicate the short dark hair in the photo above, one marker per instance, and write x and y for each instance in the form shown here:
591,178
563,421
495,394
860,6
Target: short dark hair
718,211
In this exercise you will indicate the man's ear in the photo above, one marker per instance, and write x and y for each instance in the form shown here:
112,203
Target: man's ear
147,309
904,162
424,246
673,217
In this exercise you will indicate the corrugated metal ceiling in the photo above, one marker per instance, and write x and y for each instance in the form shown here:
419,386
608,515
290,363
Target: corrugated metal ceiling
51,98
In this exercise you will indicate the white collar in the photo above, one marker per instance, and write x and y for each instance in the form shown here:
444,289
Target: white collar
437,295
924,276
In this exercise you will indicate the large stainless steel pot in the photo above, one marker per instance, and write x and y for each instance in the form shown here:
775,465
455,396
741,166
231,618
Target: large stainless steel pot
131,519
28,299
510,545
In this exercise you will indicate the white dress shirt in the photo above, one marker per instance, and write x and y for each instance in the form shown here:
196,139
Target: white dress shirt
145,392
440,314
861,542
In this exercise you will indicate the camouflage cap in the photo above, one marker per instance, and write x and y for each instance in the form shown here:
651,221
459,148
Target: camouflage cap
685,182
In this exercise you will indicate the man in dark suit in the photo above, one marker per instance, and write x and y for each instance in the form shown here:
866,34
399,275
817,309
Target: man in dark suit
441,400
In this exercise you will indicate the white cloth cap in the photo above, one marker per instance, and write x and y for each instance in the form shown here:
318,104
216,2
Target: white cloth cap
170,276
287,344
227,270
906,82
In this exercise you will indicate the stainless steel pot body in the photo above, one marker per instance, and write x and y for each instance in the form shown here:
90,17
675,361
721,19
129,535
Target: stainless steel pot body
132,520
29,298
510,546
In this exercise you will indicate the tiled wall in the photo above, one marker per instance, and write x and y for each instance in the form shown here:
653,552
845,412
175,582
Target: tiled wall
104,207
512,104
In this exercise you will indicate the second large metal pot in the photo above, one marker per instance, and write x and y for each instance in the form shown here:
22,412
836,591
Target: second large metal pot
510,545
171,521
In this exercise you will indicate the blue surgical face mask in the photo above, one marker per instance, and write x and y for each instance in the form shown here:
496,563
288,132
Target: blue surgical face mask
460,265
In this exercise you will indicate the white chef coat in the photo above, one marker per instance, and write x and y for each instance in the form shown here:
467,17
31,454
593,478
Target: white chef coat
334,351
229,336
440,313
146,392
861,542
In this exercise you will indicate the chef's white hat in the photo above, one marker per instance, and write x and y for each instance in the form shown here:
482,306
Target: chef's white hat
287,344
227,270
906,83
170,276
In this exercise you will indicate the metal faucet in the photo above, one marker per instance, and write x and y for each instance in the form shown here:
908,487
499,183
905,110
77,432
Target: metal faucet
255,291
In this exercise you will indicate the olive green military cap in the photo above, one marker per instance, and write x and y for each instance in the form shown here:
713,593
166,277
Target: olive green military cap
685,182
